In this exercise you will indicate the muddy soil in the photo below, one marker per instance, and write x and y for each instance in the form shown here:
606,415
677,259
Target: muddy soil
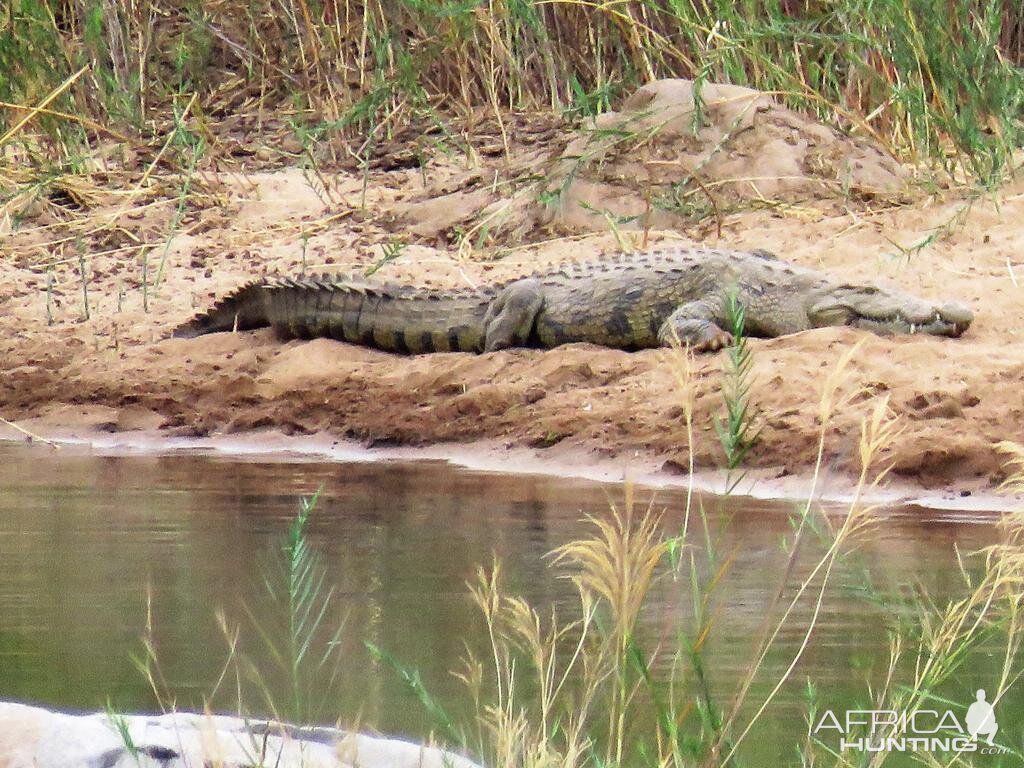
743,173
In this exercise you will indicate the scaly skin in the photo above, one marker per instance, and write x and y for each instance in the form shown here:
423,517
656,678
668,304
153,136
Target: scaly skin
625,301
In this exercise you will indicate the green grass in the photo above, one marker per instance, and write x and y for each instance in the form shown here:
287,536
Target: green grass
943,87
586,686
299,609
594,692
737,432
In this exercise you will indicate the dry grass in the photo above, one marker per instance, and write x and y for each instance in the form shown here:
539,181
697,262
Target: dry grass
1014,453
368,70
588,692
597,701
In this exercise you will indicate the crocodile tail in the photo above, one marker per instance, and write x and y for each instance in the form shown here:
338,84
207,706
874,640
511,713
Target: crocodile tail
396,318
241,310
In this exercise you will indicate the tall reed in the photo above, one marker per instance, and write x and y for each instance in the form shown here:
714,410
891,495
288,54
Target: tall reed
942,85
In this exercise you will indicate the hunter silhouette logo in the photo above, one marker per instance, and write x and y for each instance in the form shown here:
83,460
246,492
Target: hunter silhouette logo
981,719
919,730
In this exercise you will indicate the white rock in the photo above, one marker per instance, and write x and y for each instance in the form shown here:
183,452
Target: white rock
31,737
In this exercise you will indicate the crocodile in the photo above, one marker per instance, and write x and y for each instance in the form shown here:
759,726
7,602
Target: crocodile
626,301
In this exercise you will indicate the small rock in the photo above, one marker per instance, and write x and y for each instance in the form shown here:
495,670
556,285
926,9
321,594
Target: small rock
31,737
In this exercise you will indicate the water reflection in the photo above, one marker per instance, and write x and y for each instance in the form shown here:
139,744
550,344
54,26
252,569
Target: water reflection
94,547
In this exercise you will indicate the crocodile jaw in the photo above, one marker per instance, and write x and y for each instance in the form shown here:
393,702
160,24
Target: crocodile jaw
887,312
947,320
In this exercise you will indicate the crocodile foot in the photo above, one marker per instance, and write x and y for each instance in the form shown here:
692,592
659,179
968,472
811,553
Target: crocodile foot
718,340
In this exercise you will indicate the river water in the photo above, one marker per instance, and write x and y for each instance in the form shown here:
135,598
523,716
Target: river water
100,552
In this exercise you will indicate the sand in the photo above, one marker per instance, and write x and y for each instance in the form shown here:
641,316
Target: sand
465,220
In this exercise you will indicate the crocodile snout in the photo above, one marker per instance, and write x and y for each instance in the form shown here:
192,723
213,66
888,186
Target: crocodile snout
957,315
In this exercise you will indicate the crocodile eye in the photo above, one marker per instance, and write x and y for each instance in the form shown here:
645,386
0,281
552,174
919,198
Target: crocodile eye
860,290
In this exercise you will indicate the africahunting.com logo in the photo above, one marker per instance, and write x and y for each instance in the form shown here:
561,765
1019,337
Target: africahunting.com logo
919,730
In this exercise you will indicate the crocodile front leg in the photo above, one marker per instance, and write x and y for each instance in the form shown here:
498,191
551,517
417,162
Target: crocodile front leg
696,324
512,314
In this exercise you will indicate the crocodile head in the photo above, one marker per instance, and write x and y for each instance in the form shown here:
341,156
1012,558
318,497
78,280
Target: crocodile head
883,311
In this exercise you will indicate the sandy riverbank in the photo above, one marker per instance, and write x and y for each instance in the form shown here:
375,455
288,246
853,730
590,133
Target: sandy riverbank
117,371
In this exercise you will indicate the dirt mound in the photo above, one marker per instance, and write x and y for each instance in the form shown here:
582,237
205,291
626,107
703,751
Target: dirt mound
675,153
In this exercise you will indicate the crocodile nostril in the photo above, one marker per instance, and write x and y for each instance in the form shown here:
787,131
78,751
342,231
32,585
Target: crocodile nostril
957,313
